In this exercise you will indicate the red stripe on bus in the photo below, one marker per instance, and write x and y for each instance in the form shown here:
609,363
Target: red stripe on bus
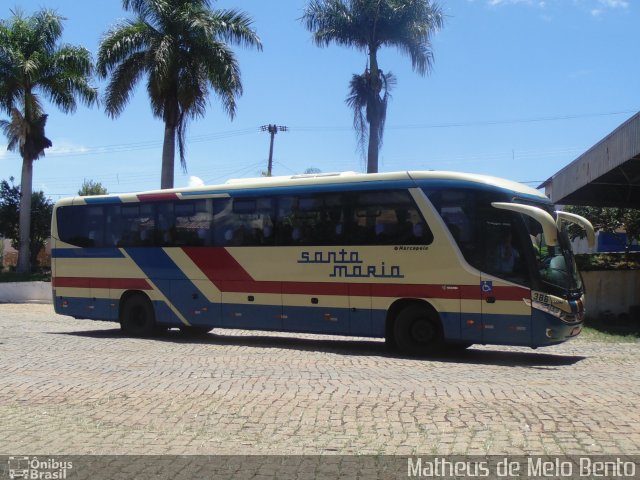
218,264
154,197
226,273
93,282
466,292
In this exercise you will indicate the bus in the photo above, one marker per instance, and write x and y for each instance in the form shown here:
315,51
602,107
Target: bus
427,260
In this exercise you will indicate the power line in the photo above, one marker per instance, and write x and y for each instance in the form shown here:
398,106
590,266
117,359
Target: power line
151,144
476,123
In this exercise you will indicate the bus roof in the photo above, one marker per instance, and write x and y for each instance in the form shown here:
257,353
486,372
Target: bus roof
398,179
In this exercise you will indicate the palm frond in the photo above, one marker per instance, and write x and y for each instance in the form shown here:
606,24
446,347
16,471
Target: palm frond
334,21
122,41
123,81
369,104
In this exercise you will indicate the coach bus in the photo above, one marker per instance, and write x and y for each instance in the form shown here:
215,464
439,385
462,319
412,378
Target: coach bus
426,260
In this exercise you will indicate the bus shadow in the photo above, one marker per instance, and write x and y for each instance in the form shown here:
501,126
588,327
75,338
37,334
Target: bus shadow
355,347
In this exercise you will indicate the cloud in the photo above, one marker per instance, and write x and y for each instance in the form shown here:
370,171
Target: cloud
494,3
195,181
615,3
596,7
64,147
609,4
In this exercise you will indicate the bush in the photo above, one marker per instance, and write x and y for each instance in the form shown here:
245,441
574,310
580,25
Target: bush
608,261
12,276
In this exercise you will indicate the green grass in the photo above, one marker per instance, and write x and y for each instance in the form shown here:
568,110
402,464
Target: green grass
7,277
612,331
598,336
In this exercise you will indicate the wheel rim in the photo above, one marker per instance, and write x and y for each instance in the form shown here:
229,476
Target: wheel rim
422,331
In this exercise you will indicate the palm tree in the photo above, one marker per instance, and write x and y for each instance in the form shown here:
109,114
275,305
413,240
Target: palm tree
32,64
369,25
368,106
180,46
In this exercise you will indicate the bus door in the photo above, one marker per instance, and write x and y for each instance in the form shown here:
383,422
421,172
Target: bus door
506,317
506,314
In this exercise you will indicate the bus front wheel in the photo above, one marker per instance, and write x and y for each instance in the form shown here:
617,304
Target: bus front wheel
137,317
417,331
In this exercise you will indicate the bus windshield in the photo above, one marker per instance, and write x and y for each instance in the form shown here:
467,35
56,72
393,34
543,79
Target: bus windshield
555,263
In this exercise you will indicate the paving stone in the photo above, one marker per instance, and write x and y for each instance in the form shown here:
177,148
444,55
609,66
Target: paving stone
79,387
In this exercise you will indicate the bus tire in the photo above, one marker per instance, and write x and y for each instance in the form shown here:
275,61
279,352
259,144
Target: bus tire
137,318
418,331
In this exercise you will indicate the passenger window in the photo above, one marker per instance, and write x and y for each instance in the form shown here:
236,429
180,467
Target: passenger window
311,220
387,218
192,223
289,227
135,226
245,222
82,226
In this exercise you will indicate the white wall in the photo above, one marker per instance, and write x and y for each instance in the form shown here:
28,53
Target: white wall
614,290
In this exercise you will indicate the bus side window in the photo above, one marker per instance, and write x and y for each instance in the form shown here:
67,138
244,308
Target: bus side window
192,223
147,224
287,231
166,226
387,217
330,228
77,227
112,225
264,224
222,221
95,226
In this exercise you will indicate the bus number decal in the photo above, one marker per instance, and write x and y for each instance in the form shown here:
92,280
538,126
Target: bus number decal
540,297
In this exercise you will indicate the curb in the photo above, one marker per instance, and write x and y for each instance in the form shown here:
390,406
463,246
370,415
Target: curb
25,292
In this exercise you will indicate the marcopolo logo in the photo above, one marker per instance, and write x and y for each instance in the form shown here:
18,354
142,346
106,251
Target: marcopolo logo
38,469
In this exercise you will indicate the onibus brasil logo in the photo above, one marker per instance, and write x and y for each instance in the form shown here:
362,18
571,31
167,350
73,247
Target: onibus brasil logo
34,468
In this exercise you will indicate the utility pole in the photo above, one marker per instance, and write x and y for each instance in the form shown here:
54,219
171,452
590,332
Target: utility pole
272,129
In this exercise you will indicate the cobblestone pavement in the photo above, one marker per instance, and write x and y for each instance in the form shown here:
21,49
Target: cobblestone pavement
78,387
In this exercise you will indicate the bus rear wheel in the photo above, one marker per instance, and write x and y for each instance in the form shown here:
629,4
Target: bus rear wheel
137,317
417,331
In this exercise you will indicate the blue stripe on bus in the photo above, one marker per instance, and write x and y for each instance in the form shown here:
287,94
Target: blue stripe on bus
100,200
86,253
255,317
167,276
457,183
294,189
334,187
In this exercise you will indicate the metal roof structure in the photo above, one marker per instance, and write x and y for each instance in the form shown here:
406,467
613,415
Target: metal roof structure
606,175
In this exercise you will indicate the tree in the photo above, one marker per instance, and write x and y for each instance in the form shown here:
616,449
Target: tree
368,106
41,210
180,46
89,187
32,64
610,220
369,25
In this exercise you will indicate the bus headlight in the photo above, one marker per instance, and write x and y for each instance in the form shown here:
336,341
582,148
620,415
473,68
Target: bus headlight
566,317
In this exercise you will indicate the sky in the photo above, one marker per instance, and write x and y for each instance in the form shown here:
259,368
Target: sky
518,89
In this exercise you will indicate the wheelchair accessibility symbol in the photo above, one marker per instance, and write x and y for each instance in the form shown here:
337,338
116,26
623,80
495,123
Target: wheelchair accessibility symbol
486,286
